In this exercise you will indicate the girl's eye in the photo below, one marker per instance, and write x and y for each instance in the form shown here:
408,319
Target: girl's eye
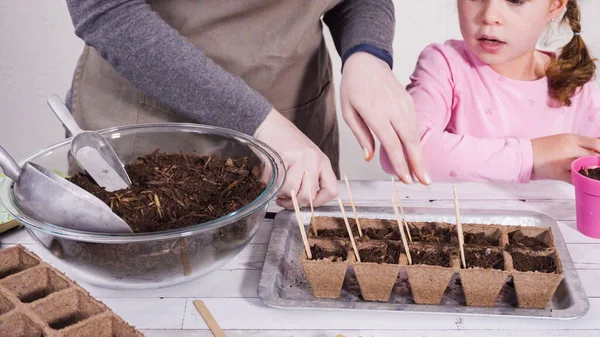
516,2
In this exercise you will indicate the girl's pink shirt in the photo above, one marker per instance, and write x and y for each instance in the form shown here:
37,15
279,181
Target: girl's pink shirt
477,125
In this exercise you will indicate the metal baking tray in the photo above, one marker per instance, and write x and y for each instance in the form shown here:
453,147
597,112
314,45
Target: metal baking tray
284,285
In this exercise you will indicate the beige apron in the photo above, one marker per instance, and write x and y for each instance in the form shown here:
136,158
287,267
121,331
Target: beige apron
276,46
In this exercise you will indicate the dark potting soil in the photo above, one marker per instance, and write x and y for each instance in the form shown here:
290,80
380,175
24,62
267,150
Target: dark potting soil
337,254
484,258
517,239
339,232
335,233
389,254
432,257
432,232
384,233
171,191
393,251
593,173
482,239
373,254
526,262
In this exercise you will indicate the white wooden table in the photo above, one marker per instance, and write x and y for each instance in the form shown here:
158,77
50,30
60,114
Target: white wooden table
231,292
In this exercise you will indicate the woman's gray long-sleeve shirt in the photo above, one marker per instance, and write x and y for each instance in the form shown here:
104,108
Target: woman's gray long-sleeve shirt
155,58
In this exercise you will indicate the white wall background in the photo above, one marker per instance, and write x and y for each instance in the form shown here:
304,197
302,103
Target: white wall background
38,52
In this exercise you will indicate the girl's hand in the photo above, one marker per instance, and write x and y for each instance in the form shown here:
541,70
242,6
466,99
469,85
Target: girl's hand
372,99
553,155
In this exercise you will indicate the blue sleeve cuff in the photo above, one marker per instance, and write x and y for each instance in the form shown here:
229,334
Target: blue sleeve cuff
368,48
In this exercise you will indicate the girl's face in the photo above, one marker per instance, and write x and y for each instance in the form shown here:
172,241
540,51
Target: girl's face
499,31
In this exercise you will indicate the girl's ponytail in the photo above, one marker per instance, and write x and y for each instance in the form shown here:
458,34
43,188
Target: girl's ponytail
574,67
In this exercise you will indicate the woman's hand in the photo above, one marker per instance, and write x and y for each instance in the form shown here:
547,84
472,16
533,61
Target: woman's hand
553,155
372,99
299,154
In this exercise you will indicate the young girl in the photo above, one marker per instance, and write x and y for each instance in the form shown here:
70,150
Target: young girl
492,107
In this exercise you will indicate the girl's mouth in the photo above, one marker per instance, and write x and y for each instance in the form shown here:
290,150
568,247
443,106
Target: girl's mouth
491,44
491,40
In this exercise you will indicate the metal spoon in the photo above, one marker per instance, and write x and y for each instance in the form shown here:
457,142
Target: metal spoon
45,196
92,151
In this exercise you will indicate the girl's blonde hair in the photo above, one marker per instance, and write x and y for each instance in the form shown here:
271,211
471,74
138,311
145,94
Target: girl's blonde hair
574,67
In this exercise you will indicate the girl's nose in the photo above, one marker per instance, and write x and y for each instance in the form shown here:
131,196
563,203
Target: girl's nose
492,12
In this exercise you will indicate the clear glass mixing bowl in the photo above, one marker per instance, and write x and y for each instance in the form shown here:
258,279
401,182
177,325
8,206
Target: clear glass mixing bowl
152,260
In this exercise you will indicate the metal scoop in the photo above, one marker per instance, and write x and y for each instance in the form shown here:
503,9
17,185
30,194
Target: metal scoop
92,151
45,196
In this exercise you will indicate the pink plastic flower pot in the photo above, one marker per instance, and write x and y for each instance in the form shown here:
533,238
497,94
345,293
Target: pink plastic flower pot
587,197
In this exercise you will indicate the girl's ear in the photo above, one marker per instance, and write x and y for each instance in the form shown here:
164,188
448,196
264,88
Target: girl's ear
556,9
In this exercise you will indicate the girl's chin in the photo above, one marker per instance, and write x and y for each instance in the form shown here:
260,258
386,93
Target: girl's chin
492,59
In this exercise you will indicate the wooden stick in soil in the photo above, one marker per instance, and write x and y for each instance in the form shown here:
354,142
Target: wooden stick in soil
459,229
360,234
349,230
301,225
157,204
402,232
310,200
208,319
402,209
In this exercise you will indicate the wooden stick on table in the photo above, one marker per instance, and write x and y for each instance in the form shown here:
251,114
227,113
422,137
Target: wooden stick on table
312,209
349,230
208,319
401,209
301,225
360,234
8,225
459,229
402,232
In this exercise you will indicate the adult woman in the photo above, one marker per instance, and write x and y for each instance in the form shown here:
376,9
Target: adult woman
254,66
